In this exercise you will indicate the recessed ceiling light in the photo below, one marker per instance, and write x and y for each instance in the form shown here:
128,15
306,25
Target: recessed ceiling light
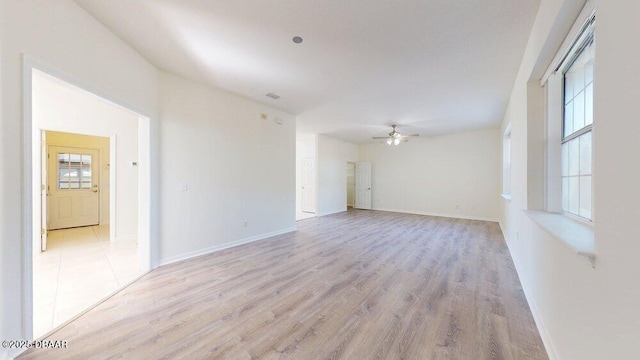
273,96
297,39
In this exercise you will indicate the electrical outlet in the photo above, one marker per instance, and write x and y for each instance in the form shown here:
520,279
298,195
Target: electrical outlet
183,186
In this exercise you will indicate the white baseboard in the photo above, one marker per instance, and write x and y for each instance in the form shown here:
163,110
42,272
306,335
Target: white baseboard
332,212
226,245
542,328
453,216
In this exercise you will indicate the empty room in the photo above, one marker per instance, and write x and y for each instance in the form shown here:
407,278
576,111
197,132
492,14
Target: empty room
305,179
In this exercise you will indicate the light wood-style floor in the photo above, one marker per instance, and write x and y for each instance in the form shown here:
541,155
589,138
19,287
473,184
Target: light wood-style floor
355,285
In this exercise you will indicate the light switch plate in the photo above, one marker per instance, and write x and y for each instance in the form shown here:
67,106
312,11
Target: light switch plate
183,186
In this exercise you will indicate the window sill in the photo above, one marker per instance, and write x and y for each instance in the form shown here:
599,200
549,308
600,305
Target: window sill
506,196
576,236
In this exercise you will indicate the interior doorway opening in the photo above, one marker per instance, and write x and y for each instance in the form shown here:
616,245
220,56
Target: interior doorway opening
351,184
88,232
306,177
76,180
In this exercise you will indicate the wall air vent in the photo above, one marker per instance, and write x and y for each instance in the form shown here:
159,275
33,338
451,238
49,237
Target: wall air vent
273,96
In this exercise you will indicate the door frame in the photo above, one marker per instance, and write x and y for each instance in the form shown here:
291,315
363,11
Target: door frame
112,184
354,184
313,184
113,143
147,192
44,192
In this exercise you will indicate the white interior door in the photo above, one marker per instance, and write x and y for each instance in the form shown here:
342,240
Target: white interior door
73,187
44,226
351,184
308,190
363,185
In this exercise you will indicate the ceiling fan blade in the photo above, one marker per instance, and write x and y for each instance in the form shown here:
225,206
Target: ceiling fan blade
380,137
412,135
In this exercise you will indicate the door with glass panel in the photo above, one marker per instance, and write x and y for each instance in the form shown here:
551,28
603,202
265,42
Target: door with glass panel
73,194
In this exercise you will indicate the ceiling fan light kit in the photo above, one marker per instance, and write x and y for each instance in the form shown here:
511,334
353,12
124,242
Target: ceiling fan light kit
395,137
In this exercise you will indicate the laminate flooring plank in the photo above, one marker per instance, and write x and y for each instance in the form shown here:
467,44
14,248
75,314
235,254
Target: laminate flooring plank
354,285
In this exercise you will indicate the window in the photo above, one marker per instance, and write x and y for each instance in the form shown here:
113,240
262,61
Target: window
74,171
506,163
577,130
560,129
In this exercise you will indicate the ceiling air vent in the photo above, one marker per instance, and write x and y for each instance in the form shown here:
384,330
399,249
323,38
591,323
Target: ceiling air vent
273,96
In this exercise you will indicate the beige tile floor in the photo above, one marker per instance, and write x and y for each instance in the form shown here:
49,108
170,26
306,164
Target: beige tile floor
80,267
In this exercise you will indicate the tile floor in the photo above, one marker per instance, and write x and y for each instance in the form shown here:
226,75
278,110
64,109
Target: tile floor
80,267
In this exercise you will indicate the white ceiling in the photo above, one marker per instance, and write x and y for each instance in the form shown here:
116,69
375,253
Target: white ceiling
432,66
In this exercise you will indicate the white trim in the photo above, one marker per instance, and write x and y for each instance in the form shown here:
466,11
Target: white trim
452,216
587,12
575,235
537,317
145,245
332,212
230,244
507,131
113,190
130,237
27,198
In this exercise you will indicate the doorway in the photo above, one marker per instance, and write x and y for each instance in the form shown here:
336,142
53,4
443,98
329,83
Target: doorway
72,186
351,184
308,185
84,240
306,177
363,186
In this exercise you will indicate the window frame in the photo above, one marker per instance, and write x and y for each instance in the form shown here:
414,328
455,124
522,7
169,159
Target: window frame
583,32
585,39
81,177
506,162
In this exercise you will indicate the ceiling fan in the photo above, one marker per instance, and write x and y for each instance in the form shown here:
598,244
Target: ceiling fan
395,137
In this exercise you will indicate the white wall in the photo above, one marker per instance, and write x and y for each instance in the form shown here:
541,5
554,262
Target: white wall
60,107
455,175
585,313
62,36
305,148
333,155
237,166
